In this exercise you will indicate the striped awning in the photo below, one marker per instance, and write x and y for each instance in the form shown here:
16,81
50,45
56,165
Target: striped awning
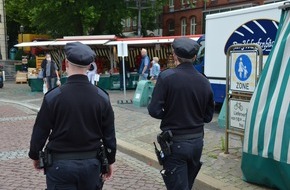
266,149
149,40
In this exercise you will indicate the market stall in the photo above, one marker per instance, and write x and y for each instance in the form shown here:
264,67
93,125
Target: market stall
107,60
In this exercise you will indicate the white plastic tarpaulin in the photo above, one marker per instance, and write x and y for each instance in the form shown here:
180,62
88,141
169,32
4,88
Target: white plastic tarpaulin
266,148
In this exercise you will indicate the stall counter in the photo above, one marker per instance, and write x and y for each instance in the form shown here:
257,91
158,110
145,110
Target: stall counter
36,84
106,81
112,81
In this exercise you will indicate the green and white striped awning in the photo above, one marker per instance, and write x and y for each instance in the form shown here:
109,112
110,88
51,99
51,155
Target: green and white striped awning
266,148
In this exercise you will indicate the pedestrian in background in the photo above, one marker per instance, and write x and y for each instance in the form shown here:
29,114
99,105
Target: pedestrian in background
144,66
155,70
77,119
183,100
50,72
91,73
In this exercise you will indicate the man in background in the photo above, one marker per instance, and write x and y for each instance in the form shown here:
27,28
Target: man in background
91,73
50,72
144,66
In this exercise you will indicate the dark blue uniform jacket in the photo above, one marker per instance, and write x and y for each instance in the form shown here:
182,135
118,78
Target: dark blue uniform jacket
74,117
183,99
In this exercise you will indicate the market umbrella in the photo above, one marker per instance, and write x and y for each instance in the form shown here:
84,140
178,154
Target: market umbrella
266,148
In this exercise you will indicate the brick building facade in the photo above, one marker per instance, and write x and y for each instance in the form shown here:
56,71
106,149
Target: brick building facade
185,17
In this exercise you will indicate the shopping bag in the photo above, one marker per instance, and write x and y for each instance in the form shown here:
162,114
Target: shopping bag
44,89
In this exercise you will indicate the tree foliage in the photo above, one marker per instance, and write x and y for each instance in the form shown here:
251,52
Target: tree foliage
76,17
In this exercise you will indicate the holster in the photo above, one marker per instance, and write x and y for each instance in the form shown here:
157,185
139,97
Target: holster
45,159
103,159
164,140
159,154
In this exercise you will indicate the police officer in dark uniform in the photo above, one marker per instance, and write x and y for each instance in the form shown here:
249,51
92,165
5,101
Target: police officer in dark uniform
183,100
76,118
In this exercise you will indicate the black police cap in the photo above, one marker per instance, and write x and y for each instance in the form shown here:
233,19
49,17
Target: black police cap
185,47
79,53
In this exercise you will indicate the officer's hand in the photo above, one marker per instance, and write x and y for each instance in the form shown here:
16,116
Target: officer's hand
36,164
109,174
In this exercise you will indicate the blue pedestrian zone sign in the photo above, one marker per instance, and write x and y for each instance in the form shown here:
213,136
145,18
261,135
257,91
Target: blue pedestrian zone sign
243,67
243,71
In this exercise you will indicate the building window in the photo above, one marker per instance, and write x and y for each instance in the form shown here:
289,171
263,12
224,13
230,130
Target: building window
183,26
171,5
192,25
171,28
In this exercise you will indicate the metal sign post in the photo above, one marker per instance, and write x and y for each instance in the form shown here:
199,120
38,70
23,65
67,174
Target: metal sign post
243,70
122,52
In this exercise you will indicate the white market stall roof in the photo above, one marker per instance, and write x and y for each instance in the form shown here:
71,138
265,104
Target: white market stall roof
149,40
93,37
60,43
89,40
35,43
105,40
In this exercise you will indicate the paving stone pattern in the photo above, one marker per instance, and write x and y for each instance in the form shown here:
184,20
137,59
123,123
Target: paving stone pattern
133,125
16,168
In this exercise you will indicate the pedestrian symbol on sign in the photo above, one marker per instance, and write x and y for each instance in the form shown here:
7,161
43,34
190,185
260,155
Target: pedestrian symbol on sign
243,67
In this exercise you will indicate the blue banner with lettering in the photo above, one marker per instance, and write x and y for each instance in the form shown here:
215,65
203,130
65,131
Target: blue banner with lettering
261,31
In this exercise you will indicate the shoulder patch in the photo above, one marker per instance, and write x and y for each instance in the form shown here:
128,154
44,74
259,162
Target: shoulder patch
49,96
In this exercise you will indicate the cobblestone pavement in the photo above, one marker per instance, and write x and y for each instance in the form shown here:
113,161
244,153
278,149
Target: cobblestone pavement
16,168
135,131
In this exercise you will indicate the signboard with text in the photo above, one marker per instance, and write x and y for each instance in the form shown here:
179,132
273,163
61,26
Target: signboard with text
238,112
243,70
122,49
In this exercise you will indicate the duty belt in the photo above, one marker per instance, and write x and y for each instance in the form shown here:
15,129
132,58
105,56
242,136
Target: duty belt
75,155
186,136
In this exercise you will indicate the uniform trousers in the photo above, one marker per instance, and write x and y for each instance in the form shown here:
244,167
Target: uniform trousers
181,167
74,175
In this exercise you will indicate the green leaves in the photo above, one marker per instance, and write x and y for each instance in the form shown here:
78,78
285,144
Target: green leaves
72,17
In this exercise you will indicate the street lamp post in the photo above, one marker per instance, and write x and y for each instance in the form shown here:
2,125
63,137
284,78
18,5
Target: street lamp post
140,6
21,31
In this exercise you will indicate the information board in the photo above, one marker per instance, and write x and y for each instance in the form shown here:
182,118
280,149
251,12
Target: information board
122,49
238,112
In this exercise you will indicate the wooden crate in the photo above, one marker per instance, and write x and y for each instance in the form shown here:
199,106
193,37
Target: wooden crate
21,77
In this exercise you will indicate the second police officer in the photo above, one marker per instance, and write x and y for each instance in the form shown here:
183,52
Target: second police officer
183,100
